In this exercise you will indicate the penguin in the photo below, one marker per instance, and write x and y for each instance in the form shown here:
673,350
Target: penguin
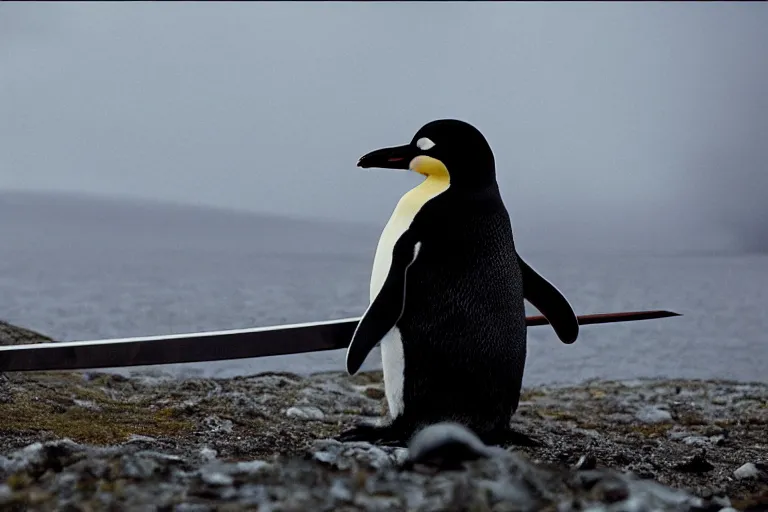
447,294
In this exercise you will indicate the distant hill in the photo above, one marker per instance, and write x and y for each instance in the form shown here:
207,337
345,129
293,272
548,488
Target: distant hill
14,335
50,219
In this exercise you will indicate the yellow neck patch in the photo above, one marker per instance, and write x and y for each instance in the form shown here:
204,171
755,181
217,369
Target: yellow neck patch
429,166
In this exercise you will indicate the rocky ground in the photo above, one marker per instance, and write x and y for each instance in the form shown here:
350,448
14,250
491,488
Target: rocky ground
90,441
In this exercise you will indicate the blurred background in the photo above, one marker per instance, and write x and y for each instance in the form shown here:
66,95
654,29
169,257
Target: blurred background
170,168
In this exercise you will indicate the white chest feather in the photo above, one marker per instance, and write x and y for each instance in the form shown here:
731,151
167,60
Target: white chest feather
405,211
392,356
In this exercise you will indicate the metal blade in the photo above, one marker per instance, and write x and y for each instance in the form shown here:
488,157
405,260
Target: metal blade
217,345
608,318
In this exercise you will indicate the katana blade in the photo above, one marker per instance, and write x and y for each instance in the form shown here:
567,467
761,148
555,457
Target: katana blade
218,345
608,318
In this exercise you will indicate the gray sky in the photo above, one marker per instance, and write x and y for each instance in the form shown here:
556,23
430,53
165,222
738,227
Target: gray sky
611,122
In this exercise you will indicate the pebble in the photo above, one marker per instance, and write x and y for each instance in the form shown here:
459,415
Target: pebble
346,455
339,491
650,414
140,468
86,404
696,441
216,479
446,444
216,424
747,471
586,462
208,454
305,412
253,466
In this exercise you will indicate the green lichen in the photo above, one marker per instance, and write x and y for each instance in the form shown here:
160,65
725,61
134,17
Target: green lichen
558,415
653,430
109,421
691,419
529,394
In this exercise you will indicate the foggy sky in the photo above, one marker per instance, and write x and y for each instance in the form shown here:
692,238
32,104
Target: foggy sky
620,124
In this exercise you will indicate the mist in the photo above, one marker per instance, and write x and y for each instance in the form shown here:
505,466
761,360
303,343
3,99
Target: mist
616,126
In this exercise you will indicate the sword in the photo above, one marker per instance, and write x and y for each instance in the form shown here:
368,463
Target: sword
220,345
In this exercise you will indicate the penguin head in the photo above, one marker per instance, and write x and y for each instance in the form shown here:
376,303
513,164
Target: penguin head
445,148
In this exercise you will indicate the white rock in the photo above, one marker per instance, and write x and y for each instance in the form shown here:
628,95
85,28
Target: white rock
339,491
697,441
653,415
748,470
306,412
216,478
87,404
252,466
208,454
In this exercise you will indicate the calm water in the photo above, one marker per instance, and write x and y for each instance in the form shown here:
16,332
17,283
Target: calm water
84,270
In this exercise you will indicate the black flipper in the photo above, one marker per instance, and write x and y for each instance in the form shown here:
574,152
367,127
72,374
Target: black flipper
387,308
550,302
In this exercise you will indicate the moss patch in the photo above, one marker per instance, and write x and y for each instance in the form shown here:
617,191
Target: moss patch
106,421
652,430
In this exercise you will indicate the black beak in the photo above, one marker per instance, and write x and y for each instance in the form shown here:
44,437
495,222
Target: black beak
398,157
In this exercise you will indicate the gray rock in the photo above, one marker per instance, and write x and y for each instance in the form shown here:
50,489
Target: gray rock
747,471
216,478
141,468
86,404
586,462
37,457
216,424
305,412
446,445
346,455
697,440
164,457
207,454
651,414
252,467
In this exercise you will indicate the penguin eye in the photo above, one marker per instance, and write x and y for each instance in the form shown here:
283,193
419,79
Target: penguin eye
424,144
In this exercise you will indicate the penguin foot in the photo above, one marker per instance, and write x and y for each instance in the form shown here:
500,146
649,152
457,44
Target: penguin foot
509,437
386,435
